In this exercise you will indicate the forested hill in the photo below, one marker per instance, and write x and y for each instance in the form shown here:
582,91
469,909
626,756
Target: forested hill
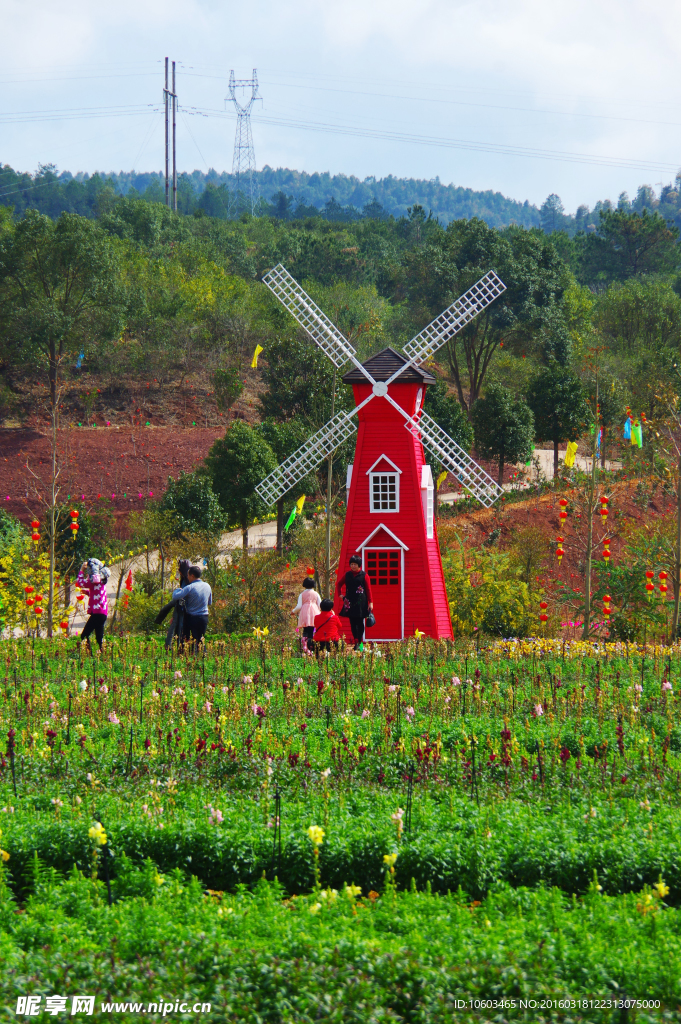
282,192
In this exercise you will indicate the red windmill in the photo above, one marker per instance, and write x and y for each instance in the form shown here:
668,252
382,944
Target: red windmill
391,495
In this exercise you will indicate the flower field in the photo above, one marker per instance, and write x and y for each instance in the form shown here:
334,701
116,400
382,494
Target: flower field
452,823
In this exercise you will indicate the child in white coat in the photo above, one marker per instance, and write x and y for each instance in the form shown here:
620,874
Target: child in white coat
309,605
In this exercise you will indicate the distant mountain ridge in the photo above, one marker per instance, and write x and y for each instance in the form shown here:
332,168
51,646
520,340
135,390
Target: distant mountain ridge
282,191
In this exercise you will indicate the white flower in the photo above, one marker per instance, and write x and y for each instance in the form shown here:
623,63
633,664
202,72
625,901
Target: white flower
268,695
104,689
392,688
178,691
299,681
82,685
325,774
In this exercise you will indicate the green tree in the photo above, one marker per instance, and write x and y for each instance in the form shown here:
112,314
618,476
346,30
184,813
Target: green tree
503,427
552,214
640,315
629,244
527,263
57,298
556,398
194,504
298,381
236,463
284,439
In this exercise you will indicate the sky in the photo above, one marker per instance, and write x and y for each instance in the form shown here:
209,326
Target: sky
522,97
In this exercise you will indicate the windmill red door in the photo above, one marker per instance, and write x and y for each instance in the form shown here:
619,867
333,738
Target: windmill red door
390,508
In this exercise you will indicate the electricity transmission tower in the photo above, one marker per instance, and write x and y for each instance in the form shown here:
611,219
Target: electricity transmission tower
245,191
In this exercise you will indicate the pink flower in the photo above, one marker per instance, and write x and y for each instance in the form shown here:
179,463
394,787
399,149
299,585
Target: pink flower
178,675
410,712
365,713
207,706
113,719
456,681
538,710
638,688
666,685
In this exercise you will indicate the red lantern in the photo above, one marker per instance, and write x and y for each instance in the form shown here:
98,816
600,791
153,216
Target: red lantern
38,611
74,527
35,537
35,523
649,574
543,617
30,601
74,514
28,590
563,509
559,549
64,625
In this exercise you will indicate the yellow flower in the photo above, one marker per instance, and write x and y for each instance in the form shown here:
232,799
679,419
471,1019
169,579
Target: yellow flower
4,855
97,834
661,890
315,908
389,859
418,634
353,890
260,632
316,835
159,879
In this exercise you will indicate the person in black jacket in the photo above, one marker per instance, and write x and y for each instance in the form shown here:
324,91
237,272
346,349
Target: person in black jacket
358,594
177,623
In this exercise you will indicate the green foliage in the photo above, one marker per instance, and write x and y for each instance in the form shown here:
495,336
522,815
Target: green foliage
247,593
57,290
193,503
236,464
298,381
503,426
448,414
628,244
269,959
228,386
556,399
486,592
641,315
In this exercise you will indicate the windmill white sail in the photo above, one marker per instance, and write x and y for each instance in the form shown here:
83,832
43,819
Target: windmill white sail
339,350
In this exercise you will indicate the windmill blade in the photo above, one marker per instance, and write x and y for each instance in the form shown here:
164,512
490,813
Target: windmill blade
307,458
309,315
460,313
455,459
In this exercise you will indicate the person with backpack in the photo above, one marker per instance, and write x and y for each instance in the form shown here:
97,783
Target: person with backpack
195,598
92,579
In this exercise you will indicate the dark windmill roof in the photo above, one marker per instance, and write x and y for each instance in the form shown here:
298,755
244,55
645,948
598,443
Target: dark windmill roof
384,364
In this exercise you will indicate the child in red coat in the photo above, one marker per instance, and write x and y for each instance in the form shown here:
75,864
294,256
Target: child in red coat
327,627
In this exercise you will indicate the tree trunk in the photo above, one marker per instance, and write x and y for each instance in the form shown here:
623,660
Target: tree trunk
501,470
280,526
555,461
677,555
244,540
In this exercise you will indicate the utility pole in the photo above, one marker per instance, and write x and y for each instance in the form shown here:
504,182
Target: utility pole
166,97
174,147
169,94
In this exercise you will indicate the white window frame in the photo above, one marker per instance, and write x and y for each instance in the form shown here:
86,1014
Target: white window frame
396,479
428,500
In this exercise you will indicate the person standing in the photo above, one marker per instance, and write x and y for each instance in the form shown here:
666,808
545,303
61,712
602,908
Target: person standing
308,607
327,627
177,623
359,598
92,579
197,596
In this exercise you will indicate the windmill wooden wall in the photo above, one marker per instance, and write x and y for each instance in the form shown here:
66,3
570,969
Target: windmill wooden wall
384,445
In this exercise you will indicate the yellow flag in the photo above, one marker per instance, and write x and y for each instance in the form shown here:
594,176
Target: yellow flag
299,504
570,454
441,479
254,360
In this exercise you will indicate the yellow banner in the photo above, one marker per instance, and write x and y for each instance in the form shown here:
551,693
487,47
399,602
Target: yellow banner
254,360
